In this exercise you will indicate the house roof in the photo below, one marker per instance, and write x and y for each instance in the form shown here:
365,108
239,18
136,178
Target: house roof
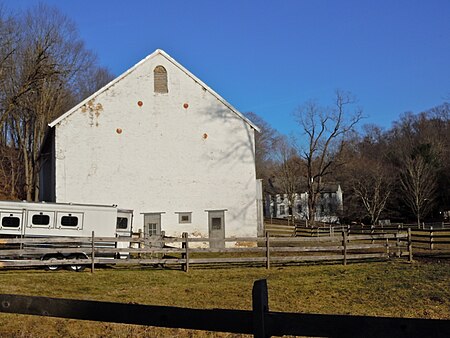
274,187
173,61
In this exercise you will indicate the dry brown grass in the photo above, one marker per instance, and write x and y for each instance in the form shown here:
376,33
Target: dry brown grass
396,289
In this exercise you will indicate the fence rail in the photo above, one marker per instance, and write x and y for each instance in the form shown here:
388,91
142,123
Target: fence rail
259,321
186,251
430,236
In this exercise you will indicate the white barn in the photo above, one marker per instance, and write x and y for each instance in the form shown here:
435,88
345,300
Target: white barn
161,142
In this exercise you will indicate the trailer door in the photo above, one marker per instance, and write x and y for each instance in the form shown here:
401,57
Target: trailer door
124,223
123,229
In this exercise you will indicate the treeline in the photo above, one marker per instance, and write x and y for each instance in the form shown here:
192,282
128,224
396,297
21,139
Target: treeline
401,174
45,69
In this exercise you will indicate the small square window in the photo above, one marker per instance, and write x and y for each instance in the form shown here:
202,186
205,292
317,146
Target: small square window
216,223
184,217
152,229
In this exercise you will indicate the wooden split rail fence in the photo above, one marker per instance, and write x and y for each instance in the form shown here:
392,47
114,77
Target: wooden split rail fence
431,238
259,321
426,236
187,251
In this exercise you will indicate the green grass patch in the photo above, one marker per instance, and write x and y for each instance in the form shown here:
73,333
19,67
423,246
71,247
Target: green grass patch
393,288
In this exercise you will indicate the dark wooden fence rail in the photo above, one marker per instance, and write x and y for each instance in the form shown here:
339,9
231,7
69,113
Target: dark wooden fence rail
259,321
185,251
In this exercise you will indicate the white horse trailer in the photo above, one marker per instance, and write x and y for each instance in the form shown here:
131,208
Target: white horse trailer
40,219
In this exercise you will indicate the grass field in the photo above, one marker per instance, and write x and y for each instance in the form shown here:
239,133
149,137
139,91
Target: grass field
395,288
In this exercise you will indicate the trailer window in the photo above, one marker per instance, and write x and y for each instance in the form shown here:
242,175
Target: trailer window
11,222
69,221
40,220
122,223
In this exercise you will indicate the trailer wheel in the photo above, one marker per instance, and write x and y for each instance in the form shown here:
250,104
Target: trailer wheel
77,267
52,258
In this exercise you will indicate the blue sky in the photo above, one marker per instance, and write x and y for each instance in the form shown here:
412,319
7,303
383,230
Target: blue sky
269,57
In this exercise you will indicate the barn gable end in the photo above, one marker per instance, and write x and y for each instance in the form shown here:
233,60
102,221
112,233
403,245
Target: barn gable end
161,142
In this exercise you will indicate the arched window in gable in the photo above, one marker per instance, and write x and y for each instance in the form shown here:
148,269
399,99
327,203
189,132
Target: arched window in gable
160,80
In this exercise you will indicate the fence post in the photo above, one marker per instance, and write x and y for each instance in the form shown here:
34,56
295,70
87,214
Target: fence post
267,250
140,244
397,240
410,247
387,246
185,246
93,253
372,231
344,244
431,238
260,307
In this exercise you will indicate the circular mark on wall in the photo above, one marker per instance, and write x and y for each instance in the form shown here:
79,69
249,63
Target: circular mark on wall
140,103
205,136
119,130
185,106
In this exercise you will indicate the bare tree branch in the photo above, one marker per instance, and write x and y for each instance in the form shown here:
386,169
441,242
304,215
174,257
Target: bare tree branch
325,129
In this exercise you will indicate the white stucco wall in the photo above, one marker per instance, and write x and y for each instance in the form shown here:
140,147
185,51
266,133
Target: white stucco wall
167,158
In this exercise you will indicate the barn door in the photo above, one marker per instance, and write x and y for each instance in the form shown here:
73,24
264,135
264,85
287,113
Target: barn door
216,220
152,224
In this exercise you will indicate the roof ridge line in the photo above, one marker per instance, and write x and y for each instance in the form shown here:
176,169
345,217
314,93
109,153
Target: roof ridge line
130,70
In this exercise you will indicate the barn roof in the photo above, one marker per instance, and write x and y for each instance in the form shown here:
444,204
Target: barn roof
173,61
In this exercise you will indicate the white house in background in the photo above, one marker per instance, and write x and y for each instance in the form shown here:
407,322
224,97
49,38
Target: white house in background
161,142
329,207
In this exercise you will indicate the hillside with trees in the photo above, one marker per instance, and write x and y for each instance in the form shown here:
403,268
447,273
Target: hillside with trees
401,174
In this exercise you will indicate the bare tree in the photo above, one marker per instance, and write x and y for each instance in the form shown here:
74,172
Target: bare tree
373,186
39,75
7,40
420,146
287,171
369,173
325,130
265,144
96,78
10,168
418,182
